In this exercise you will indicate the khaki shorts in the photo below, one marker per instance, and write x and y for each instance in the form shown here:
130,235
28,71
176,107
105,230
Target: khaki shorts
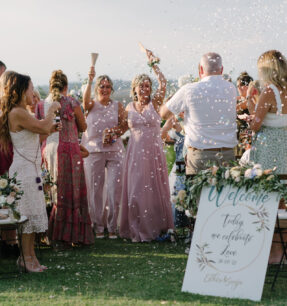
196,159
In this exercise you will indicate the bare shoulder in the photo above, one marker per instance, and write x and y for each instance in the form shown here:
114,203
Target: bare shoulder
16,116
18,112
128,107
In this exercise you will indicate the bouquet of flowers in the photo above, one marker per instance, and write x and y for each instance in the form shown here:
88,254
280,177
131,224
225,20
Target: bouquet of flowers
240,176
10,193
48,183
77,94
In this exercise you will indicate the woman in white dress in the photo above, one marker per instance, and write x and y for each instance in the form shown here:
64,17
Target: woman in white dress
23,129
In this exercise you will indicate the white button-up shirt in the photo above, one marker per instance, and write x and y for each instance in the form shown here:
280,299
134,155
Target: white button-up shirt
209,108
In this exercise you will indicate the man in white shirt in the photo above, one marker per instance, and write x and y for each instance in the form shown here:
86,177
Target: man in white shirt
209,108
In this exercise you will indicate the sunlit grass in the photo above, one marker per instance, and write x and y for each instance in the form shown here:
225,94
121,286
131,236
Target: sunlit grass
114,273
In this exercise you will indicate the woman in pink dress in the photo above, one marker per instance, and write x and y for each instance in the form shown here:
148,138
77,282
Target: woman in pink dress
105,162
69,221
146,210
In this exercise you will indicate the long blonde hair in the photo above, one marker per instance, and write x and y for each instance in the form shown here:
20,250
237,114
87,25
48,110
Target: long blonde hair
136,82
58,82
12,87
272,68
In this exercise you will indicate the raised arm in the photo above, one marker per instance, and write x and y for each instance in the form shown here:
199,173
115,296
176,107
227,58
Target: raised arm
23,120
88,102
160,92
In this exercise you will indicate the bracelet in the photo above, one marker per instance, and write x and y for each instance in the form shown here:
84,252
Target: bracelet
90,82
179,119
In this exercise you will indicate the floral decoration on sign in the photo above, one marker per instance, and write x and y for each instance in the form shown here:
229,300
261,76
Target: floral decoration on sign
238,176
202,256
262,217
10,193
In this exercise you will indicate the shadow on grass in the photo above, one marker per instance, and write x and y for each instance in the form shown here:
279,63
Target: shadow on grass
117,271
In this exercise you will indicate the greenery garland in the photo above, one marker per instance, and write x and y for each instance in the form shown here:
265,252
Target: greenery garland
238,176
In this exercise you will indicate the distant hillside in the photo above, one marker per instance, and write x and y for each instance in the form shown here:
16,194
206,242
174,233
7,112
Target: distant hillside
121,89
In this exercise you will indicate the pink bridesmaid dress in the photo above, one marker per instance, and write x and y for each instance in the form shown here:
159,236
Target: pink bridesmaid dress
146,209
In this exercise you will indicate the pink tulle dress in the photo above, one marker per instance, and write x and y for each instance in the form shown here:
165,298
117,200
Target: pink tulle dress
146,209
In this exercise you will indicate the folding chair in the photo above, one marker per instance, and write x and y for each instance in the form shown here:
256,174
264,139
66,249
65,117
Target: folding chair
281,229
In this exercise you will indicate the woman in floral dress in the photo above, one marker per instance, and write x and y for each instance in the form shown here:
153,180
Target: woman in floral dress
69,221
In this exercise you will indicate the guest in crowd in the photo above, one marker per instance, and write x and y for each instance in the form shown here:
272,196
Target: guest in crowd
18,126
146,210
254,92
7,155
243,132
9,243
2,68
242,84
210,111
105,162
36,100
174,130
49,146
269,146
69,221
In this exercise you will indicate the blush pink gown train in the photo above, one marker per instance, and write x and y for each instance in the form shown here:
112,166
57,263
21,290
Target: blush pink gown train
146,209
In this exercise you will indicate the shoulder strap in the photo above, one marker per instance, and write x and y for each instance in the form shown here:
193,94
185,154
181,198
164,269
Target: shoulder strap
277,98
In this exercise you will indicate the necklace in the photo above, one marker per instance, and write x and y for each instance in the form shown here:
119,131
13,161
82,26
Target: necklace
38,179
139,107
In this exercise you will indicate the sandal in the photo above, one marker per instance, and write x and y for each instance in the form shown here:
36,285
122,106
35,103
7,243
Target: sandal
29,265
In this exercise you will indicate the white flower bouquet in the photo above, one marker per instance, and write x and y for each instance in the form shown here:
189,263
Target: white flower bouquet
10,193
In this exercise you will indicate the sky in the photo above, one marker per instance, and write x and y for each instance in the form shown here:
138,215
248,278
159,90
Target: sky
39,36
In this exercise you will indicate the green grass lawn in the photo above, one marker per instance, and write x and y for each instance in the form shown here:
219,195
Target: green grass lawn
115,273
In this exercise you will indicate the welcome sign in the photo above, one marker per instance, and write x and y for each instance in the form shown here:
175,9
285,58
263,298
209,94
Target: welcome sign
231,243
